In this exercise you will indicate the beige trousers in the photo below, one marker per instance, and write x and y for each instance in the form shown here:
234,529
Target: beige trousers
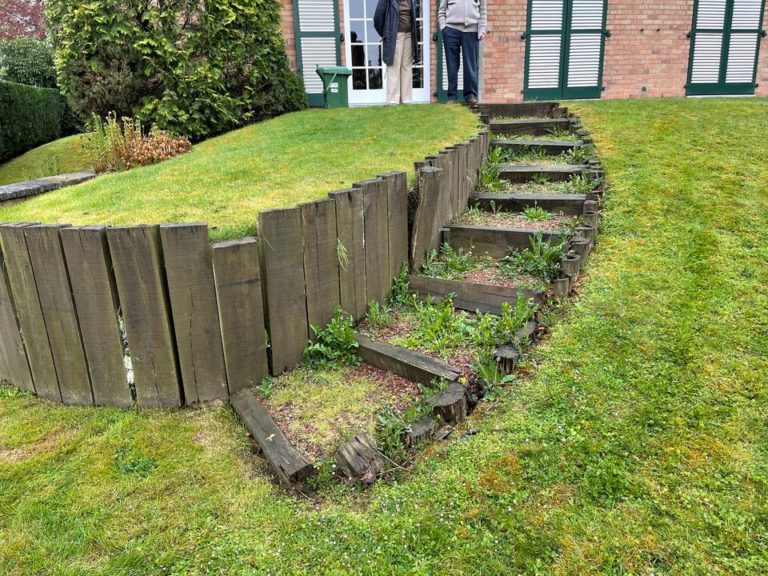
400,74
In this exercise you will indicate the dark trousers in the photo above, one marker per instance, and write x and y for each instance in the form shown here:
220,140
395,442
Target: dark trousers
466,43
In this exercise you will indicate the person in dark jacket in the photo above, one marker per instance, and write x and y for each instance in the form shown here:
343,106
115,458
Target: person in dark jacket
395,21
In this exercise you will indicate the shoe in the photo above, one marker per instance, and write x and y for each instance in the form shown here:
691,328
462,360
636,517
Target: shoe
472,101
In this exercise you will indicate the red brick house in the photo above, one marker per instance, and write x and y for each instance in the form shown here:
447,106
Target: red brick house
551,49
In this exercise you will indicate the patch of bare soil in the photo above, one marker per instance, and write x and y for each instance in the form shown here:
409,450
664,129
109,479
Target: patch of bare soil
27,451
492,276
554,223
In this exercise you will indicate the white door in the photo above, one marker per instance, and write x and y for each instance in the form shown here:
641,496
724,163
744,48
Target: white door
364,54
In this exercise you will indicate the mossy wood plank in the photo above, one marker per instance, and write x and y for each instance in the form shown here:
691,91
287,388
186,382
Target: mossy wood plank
141,287
14,366
397,220
189,272
552,172
425,236
287,462
469,296
376,238
350,230
413,366
21,279
532,127
241,312
494,242
321,262
58,306
569,204
283,277
95,296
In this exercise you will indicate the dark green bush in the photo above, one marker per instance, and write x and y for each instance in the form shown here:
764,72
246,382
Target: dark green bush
27,61
194,68
30,117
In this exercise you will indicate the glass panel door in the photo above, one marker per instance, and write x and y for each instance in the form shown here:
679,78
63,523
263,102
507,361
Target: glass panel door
365,54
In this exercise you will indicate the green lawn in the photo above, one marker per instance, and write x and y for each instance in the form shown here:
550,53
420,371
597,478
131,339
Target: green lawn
637,444
227,181
58,157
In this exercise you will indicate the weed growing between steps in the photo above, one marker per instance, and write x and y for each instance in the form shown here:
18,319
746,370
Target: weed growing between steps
538,156
450,264
533,219
555,134
490,182
438,329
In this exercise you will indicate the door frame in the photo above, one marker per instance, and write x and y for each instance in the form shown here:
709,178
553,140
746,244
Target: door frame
379,97
562,91
722,88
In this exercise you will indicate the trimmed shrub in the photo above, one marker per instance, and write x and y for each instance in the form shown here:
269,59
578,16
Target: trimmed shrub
193,68
31,116
114,146
27,61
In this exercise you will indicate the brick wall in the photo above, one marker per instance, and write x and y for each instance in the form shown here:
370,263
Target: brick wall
288,31
502,74
647,54
762,66
648,48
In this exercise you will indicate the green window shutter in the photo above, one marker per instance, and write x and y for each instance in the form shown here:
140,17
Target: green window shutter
545,41
316,23
583,77
725,43
564,49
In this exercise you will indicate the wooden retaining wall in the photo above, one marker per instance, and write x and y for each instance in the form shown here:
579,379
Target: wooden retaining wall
198,321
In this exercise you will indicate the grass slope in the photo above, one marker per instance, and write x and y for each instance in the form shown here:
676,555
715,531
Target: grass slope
638,443
58,157
227,181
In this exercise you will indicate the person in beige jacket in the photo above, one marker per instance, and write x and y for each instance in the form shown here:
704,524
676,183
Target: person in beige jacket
464,23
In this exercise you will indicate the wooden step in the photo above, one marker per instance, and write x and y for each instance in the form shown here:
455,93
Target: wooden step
553,172
290,465
523,109
491,241
532,127
569,204
360,459
413,366
470,296
551,147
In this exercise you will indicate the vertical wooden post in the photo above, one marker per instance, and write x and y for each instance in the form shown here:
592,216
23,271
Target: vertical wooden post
55,292
21,279
283,277
14,365
189,272
241,312
141,287
397,205
321,261
426,228
350,230
376,239
95,295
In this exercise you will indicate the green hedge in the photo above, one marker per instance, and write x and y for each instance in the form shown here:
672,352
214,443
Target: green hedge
30,117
